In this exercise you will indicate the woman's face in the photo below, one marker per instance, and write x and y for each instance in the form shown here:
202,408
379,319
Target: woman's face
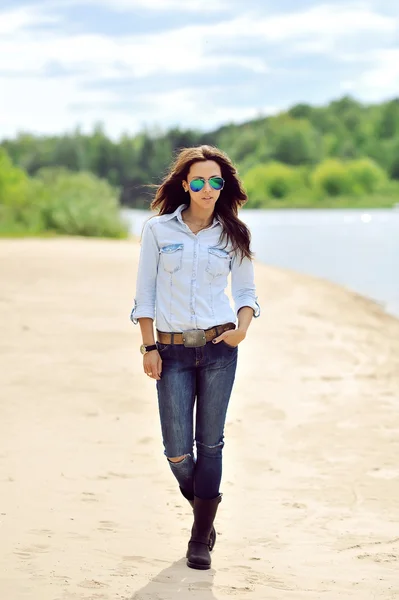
206,198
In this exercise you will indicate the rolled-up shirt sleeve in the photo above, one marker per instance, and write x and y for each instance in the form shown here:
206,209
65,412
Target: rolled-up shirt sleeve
144,302
243,284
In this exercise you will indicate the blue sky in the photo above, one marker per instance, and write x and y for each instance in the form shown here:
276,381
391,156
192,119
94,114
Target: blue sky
189,63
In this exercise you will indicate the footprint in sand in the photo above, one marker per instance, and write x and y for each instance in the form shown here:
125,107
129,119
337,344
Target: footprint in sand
113,475
145,440
379,551
380,557
47,532
23,555
107,526
89,497
231,590
139,559
29,552
92,584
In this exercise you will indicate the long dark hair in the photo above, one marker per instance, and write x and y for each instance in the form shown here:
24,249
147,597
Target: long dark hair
170,194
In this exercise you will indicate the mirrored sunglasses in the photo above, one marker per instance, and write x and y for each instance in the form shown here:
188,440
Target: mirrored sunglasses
217,183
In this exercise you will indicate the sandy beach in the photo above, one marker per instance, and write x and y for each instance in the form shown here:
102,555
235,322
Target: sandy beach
88,507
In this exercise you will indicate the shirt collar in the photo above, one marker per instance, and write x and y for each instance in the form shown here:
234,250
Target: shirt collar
178,212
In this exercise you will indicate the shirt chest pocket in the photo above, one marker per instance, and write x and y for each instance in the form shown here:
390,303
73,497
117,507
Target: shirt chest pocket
218,262
171,257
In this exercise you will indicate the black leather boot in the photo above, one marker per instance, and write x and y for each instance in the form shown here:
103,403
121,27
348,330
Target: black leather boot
212,537
198,555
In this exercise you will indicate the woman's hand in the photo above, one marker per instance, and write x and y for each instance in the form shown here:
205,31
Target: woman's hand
232,337
152,363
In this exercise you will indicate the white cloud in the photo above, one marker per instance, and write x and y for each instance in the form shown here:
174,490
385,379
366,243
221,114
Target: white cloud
154,5
382,78
197,103
327,20
175,51
377,76
185,50
42,105
347,86
46,104
13,21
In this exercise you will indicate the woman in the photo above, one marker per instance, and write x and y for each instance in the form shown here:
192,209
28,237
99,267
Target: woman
187,253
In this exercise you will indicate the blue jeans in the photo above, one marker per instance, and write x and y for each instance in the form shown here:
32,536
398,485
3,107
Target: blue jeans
203,377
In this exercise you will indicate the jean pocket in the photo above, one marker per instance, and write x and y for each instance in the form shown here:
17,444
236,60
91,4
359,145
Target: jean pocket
218,262
228,345
162,347
172,257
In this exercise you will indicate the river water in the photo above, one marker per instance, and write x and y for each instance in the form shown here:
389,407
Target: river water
358,249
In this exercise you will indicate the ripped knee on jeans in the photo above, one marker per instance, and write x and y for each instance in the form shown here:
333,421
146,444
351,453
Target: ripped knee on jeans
211,450
178,459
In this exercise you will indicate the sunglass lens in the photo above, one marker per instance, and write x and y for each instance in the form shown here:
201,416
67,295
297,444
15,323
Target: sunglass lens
196,185
216,182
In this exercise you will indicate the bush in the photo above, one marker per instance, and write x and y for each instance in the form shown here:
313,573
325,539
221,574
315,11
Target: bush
336,178
366,175
331,178
14,183
273,180
18,211
57,201
79,204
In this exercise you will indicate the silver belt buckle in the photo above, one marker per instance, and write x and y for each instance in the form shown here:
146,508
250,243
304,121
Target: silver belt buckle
194,338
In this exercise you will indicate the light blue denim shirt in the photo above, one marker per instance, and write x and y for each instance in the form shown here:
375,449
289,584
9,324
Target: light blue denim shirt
182,276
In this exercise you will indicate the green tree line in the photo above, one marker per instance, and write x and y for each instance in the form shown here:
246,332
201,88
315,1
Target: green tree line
342,154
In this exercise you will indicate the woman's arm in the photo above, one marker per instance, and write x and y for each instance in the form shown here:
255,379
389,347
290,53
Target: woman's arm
245,315
144,302
152,362
245,300
147,331
243,285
